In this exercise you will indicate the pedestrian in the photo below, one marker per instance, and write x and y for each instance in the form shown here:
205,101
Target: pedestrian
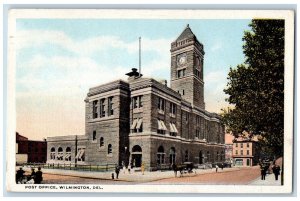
143,168
217,168
19,175
276,171
117,170
32,176
263,172
129,168
174,168
222,166
38,176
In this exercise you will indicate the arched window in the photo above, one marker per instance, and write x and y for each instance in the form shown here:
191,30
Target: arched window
160,155
60,154
68,154
101,142
172,155
52,153
109,149
137,148
186,156
94,135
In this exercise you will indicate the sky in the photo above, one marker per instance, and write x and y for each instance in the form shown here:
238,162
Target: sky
58,60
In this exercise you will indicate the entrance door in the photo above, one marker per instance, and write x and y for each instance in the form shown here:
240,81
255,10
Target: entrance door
248,162
136,159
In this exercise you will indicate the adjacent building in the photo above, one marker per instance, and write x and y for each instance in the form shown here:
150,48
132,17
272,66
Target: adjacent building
143,121
245,152
30,151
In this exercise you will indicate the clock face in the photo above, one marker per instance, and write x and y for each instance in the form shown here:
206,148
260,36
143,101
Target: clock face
181,59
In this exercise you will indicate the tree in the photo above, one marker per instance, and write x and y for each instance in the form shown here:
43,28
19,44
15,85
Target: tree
256,88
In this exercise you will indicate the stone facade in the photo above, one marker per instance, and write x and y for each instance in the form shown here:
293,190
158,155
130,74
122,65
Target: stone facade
143,121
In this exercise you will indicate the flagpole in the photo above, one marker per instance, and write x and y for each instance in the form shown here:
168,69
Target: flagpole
139,56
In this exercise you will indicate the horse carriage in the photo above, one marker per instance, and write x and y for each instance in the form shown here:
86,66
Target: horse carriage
184,168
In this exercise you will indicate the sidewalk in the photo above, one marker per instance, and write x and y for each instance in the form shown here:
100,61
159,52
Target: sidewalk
270,181
132,177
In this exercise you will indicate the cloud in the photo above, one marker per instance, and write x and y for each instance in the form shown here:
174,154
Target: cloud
38,38
215,83
216,46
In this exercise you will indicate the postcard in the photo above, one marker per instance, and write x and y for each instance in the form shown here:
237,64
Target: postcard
150,101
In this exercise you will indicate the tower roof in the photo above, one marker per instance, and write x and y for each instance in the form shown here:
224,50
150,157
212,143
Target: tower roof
187,33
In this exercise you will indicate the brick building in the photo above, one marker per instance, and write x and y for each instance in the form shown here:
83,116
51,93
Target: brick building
245,152
143,120
30,151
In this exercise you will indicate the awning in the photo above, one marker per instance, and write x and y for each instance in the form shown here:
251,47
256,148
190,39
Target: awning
172,128
164,126
160,126
81,154
78,153
175,129
138,126
134,124
67,156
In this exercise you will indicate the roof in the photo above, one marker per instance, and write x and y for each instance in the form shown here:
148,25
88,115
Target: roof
187,33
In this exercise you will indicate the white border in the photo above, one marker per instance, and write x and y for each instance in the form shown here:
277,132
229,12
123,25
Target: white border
158,14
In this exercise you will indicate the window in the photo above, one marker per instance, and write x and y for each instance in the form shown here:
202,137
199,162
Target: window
242,152
161,127
95,109
186,117
102,107
236,152
197,120
137,102
68,154
236,145
242,145
94,135
109,149
208,156
173,129
186,156
198,133
80,154
160,155
248,152
52,153
181,73
110,106
60,155
183,92
173,108
101,142
161,104
137,125
248,144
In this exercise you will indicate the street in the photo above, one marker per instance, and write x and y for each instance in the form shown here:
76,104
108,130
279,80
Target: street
234,176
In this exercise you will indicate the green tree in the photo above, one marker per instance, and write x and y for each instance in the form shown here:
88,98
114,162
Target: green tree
256,88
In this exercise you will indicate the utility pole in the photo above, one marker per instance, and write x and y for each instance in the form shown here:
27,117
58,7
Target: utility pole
76,150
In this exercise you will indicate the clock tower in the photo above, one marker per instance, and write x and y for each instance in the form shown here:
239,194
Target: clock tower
187,68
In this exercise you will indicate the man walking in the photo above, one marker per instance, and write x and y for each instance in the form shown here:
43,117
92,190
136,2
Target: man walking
117,170
38,176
